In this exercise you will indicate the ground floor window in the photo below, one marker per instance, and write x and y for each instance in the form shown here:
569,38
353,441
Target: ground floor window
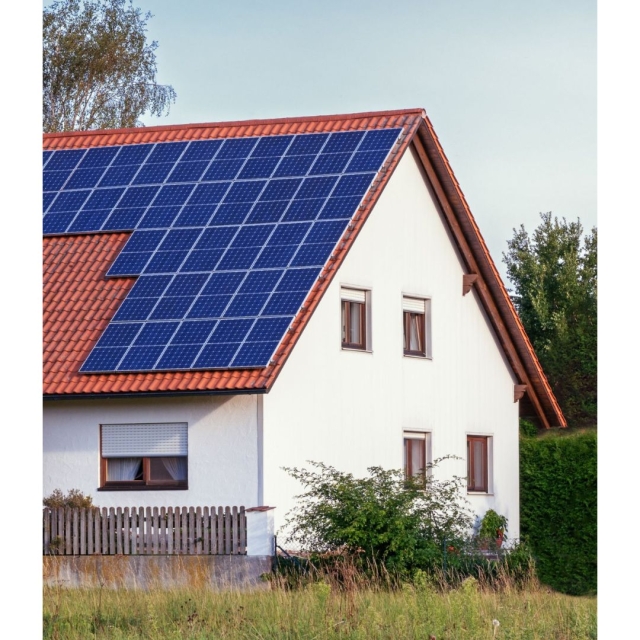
478,463
417,453
144,456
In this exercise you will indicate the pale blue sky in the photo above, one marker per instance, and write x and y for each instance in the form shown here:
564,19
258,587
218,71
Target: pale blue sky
509,85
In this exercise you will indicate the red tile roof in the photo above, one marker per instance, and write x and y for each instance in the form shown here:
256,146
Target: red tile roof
79,300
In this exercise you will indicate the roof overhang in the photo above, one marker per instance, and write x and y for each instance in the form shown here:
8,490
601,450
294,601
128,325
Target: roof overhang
64,381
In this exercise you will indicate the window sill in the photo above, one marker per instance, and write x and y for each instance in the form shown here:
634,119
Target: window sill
346,348
144,487
419,356
479,493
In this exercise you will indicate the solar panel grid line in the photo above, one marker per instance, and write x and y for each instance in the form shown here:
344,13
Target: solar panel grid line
73,221
265,301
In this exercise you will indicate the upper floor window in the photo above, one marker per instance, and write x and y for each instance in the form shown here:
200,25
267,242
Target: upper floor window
355,318
143,456
415,320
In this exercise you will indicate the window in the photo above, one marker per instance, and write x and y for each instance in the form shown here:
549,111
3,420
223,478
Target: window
417,453
415,317
478,449
355,319
143,456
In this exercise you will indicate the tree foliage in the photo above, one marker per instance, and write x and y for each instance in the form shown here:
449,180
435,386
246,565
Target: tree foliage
559,508
554,274
383,518
99,71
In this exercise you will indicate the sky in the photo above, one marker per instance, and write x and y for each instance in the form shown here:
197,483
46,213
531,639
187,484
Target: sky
509,85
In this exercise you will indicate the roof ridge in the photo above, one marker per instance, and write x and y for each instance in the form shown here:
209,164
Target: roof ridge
234,123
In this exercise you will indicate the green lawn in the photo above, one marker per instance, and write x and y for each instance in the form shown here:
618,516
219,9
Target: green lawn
317,612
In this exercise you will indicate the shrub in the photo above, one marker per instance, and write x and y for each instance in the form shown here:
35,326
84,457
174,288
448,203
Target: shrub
384,520
528,429
558,505
74,499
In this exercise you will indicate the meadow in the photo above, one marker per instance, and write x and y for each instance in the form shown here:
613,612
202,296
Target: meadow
318,611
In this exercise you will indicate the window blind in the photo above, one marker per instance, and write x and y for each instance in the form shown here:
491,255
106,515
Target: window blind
414,305
150,440
353,295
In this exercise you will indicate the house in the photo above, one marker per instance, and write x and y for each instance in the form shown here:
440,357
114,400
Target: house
222,300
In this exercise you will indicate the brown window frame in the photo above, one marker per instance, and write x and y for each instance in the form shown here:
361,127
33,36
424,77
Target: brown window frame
408,470
347,343
146,484
407,315
471,463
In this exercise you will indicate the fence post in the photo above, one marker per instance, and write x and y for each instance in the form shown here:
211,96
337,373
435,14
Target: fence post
260,531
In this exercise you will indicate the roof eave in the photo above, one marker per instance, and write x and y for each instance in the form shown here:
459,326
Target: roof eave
491,290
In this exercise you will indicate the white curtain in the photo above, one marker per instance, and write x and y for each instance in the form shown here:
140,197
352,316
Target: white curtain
355,311
177,467
415,337
122,469
479,463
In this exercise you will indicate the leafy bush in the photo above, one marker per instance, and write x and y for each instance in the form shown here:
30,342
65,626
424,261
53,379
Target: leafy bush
384,520
558,507
74,499
528,429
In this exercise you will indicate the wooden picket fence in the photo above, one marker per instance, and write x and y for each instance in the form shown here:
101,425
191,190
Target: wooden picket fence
145,531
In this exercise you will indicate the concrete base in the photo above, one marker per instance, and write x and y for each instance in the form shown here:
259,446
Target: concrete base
152,572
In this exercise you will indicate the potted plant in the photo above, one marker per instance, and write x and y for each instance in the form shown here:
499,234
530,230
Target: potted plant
492,529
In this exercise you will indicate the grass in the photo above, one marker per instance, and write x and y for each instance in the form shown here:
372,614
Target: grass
318,611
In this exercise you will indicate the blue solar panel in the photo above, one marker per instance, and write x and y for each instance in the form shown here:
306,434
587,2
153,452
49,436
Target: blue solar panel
65,159
155,333
201,150
84,178
172,308
188,171
195,332
123,219
268,329
54,180
216,356
231,331
98,157
118,176
254,354
294,166
330,163
141,358
229,236
178,357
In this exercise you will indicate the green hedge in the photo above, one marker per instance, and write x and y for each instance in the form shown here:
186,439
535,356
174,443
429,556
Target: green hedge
558,506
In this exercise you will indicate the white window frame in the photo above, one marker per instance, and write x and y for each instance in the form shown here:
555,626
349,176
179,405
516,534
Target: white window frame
428,355
490,485
418,434
367,322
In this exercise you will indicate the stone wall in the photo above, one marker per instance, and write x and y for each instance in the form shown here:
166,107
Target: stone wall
157,572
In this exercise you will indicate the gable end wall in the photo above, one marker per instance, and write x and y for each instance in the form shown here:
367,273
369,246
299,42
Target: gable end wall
349,409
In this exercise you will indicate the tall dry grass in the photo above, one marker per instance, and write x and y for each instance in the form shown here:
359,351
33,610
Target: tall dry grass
338,603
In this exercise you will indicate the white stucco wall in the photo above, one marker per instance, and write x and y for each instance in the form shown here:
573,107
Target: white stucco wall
223,446
349,409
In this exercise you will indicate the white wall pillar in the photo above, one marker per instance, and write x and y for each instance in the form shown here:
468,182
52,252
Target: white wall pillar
260,531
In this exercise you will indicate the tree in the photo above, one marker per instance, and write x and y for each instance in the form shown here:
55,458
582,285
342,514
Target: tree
554,274
99,71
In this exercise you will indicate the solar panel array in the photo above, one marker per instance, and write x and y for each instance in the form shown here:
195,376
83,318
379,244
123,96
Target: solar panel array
229,237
